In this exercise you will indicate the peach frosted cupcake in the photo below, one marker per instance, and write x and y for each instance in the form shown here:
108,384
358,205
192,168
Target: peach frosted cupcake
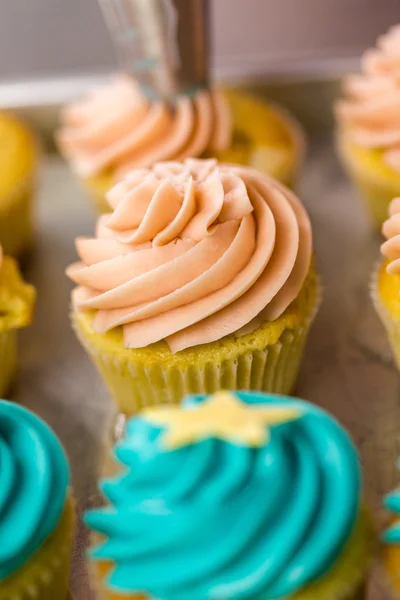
233,496
369,125
116,129
200,278
17,300
36,509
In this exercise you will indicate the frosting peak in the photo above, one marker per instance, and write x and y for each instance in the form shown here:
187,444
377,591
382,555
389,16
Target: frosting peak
371,110
34,477
117,126
220,518
192,252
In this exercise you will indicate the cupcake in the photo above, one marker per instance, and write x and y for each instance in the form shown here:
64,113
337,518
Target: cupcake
18,170
369,125
385,285
17,300
36,509
116,129
392,542
233,496
200,278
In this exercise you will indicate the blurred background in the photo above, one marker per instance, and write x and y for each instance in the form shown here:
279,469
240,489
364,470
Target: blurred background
40,38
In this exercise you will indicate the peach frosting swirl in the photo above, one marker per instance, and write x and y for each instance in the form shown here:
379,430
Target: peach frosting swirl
117,127
371,110
391,231
193,252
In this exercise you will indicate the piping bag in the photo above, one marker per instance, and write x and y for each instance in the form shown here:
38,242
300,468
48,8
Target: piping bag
171,37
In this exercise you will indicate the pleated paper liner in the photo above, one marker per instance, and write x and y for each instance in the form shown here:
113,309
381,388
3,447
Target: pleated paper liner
391,563
265,137
391,325
8,360
376,187
267,359
45,576
345,581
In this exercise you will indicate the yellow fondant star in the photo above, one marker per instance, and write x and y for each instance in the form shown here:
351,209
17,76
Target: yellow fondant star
223,415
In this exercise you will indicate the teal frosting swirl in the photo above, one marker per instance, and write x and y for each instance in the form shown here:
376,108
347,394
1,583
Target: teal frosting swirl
34,477
392,503
223,521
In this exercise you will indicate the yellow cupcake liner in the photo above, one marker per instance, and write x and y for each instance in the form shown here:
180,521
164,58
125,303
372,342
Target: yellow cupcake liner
45,576
376,183
391,562
345,581
389,321
8,360
267,359
265,137
17,299
16,219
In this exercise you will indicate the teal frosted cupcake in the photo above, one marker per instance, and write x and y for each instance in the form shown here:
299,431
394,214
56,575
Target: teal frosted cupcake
36,509
233,496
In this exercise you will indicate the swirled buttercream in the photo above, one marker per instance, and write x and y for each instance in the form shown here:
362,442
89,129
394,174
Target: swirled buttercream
34,477
193,252
117,127
370,113
225,519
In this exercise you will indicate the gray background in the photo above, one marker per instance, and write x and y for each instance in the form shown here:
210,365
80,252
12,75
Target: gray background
59,37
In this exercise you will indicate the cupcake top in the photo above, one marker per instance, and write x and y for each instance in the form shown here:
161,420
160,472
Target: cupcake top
17,298
34,478
229,496
391,230
193,252
370,111
117,127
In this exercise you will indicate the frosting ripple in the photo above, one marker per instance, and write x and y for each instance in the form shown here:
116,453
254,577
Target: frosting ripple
371,110
117,127
34,478
220,519
193,252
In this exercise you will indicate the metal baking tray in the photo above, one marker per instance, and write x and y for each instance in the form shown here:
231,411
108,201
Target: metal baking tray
347,368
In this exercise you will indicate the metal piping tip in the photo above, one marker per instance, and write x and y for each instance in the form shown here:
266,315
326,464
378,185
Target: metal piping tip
170,37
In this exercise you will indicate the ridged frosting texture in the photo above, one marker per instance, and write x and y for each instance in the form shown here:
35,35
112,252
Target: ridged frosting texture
193,252
370,111
391,230
222,519
34,478
117,127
